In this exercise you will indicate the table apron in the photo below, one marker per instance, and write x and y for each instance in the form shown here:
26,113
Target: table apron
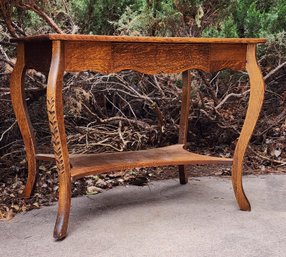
148,58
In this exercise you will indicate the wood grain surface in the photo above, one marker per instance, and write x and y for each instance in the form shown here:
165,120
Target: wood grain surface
55,54
164,156
151,58
88,164
147,58
184,120
56,120
252,114
76,37
21,112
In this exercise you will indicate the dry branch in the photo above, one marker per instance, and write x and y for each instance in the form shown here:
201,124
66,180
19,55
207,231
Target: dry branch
6,8
229,96
274,71
35,8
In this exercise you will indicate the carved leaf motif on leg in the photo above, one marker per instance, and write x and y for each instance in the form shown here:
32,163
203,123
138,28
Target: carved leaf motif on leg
55,134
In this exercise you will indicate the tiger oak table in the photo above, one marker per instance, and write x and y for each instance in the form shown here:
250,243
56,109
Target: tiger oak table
54,54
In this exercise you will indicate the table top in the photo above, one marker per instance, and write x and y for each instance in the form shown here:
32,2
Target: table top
130,39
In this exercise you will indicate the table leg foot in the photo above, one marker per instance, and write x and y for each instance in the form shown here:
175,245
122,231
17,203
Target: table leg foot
31,180
183,176
61,225
241,198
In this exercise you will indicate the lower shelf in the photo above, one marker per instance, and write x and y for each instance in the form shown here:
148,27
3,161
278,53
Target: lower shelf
88,164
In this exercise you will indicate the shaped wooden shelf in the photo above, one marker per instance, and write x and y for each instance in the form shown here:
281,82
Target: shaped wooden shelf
88,164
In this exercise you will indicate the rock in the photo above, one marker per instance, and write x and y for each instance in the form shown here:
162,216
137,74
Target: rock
101,183
93,190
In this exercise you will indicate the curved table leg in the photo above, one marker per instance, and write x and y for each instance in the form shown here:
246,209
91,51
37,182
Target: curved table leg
252,114
184,119
56,120
22,116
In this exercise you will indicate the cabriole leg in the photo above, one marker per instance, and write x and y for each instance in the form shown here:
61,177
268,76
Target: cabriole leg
254,106
183,130
56,121
23,119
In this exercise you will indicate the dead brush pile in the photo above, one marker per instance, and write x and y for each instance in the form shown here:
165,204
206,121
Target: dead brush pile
131,111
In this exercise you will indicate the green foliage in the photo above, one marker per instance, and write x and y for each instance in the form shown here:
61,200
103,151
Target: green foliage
155,18
28,19
159,18
227,28
280,10
96,16
32,20
235,18
250,18
251,22
274,50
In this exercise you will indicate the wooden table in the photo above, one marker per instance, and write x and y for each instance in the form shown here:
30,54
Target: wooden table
54,54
